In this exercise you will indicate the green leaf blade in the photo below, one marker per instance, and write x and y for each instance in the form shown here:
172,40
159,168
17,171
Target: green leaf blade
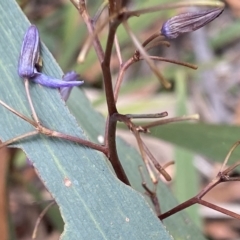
210,140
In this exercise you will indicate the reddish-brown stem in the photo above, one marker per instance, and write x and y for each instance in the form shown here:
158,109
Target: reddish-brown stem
125,66
105,64
110,131
228,155
34,235
132,60
81,141
152,37
48,132
157,43
96,43
191,201
104,59
145,153
18,138
33,123
173,5
219,209
99,11
210,186
152,194
156,164
112,6
142,51
170,120
231,179
147,115
34,115
113,156
168,164
229,169
118,51
108,91
162,59
178,208
197,199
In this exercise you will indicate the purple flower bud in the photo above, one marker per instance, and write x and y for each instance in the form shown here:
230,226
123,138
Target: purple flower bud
69,80
188,22
29,61
30,55
68,77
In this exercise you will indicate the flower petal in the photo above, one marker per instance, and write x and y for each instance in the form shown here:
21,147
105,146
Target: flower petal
51,82
65,91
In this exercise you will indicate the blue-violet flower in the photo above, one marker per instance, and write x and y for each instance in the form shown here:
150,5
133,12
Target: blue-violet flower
29,61
30,53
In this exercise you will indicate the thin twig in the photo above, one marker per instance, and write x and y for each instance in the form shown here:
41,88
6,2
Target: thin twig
180,63
170,120
118,84
152,194
34,115
221,177
151,38
118,50
99,11
160,7
219,209
81,141
157,43
141,50
156,164
229,154
34,235
48,132
148,115
16,139
33,123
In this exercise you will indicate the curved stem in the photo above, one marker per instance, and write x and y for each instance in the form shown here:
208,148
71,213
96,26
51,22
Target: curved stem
96,43
113,156
132,60
170,120
152,194
229,154
178,208
219,209
174,5
156,164
162,59
18,114
99,11
118,84
34,115
143,52
81,141
105,64
147,115
118,50
157,43
110,131
34,235
152,37
15,139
